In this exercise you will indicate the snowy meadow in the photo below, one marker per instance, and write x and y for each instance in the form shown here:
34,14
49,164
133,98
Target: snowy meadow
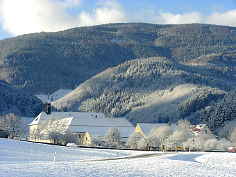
24,159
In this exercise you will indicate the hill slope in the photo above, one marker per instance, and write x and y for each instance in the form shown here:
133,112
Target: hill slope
45,62
155,89
16,101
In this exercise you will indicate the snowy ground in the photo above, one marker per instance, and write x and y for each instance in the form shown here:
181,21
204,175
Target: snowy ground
22,159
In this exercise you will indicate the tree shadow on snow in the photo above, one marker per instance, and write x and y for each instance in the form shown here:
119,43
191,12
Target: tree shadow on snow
186,157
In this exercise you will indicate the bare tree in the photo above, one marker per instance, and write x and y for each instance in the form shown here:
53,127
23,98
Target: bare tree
35,134
56,137
69,137
113,137
11,123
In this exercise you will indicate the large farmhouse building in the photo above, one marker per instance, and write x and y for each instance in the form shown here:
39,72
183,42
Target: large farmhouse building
86,125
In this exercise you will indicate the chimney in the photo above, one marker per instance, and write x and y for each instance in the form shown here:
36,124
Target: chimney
47,108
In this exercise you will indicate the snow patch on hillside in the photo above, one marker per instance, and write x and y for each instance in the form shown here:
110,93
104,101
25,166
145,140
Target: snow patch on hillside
163,102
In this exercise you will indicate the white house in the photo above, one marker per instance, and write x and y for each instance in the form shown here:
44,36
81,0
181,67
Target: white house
87,125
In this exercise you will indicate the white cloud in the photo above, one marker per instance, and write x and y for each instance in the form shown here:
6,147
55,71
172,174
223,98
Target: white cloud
107,12
226,18
28,16
169,18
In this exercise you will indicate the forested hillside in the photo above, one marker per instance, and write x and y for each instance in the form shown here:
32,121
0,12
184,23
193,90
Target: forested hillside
157,89
17,101
45,62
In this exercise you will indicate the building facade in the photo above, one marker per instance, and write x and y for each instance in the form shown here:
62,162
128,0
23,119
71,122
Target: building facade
87,126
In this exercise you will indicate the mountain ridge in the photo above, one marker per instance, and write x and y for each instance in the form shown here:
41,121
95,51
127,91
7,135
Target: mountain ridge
65,59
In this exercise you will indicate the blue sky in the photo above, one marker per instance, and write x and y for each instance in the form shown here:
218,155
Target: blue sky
28,16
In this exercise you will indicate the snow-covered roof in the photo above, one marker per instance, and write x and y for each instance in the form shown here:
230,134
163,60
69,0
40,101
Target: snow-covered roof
60,115
42,116
96,124
147,127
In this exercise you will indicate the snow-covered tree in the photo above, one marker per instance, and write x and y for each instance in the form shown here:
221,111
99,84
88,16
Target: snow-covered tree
159,135
133,140
11,123
181,134
233,136
113,137
210,144
143,144
184,124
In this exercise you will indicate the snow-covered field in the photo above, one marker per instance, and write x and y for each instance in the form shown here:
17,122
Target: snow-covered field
23,159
